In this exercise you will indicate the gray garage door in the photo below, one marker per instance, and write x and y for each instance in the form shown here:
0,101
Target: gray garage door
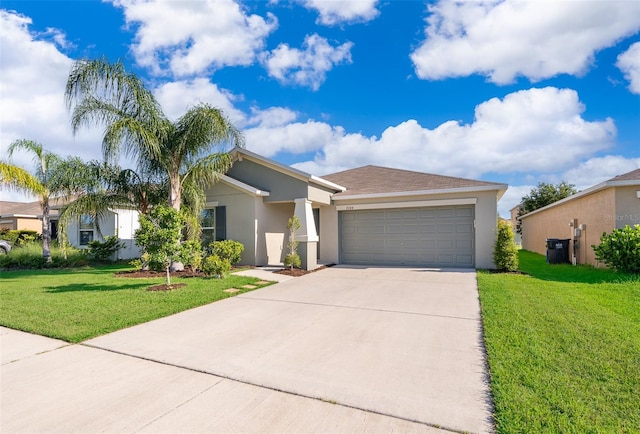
432,237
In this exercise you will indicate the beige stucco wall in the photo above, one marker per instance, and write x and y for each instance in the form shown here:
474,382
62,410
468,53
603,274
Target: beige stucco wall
329,246
627,206
272,232
593,210
486,217
21,223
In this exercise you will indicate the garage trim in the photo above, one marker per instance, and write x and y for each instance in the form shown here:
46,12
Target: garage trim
412,204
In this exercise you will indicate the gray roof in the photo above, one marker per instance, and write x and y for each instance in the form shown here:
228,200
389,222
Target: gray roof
31,209
380,180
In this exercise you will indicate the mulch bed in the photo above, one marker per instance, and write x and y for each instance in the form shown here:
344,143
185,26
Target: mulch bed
297,272
166,287
150,274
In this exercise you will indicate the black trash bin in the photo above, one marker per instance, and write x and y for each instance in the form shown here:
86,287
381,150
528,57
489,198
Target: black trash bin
557,251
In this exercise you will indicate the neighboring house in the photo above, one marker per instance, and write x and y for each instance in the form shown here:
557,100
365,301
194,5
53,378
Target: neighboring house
513,212
119,222
584,216
25,216
365,216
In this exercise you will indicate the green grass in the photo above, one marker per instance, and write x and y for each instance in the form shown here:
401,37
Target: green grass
78,304
563,346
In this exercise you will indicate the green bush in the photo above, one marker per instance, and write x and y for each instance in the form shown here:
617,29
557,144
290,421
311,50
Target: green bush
191,254
620,249
292,260
19,237
104,251
214,265
228,249
505,252
30,257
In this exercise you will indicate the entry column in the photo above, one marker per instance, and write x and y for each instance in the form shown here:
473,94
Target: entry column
306,236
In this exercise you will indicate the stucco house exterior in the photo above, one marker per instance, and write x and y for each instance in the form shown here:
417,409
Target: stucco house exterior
365,216
25,216
584,216
119,222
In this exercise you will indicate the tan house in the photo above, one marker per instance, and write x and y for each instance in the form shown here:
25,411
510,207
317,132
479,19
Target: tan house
365,216
584,216
24,216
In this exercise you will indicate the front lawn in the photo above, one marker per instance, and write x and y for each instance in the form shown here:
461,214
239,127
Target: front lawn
563,345
78,304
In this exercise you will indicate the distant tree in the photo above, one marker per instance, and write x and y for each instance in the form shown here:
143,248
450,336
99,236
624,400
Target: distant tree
542,195
53,177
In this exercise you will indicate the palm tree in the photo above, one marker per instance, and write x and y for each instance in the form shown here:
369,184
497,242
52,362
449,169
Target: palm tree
53,178
102,93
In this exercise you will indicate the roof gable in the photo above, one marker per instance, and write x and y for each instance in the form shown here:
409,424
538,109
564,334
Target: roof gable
370,179
634,175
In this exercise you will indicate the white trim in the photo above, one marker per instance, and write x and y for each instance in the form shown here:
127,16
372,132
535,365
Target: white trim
322,181
32,216
596,188
502,187
242,186
211,204
411,204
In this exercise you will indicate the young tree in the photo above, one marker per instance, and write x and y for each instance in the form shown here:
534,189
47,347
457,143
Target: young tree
159,236
293,259
542,195
505,252
53,178
104,93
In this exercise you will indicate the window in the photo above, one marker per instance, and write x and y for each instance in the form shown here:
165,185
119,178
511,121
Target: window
86,229
213,224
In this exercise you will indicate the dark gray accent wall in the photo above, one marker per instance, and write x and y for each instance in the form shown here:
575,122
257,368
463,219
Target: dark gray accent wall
281,187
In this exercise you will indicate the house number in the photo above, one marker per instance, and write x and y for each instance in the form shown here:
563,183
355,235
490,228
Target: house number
349,208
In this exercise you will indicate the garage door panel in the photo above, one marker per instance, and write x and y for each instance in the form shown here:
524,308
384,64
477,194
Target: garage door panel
438,236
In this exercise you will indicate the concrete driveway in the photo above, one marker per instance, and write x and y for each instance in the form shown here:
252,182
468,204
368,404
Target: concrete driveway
343,349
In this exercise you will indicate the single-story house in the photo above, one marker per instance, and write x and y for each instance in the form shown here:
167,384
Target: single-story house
25,216
584,216
364,216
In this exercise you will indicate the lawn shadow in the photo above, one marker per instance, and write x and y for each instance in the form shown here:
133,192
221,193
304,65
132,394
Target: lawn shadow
93,287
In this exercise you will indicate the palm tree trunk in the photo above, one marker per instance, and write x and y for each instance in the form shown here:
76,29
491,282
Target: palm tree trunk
175,193
46,232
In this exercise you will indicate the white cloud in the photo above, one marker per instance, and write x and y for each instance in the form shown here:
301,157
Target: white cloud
296,138
512,197
535,130
191,37
629,64
32,88
335,12
599,169
505,39
306,67
177,97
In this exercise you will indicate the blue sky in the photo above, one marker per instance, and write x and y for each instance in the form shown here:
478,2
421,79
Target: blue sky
499,91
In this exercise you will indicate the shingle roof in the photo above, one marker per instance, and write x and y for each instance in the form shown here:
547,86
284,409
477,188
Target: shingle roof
24,208
634,175
376,180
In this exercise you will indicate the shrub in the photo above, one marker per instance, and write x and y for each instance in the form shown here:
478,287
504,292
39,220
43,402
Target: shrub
620,249
104,251
228,249
505,252
214,265
29,256
191,254
20,237
293,259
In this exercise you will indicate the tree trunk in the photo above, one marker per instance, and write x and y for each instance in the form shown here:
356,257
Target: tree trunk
168,275
175,193
46,232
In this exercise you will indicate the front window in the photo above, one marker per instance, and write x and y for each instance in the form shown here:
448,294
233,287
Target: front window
208,225
86,229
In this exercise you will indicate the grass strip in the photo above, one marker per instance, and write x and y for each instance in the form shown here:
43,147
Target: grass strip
563,346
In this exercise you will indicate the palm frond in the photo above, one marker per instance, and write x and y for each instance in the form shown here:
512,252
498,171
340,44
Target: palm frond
17,179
